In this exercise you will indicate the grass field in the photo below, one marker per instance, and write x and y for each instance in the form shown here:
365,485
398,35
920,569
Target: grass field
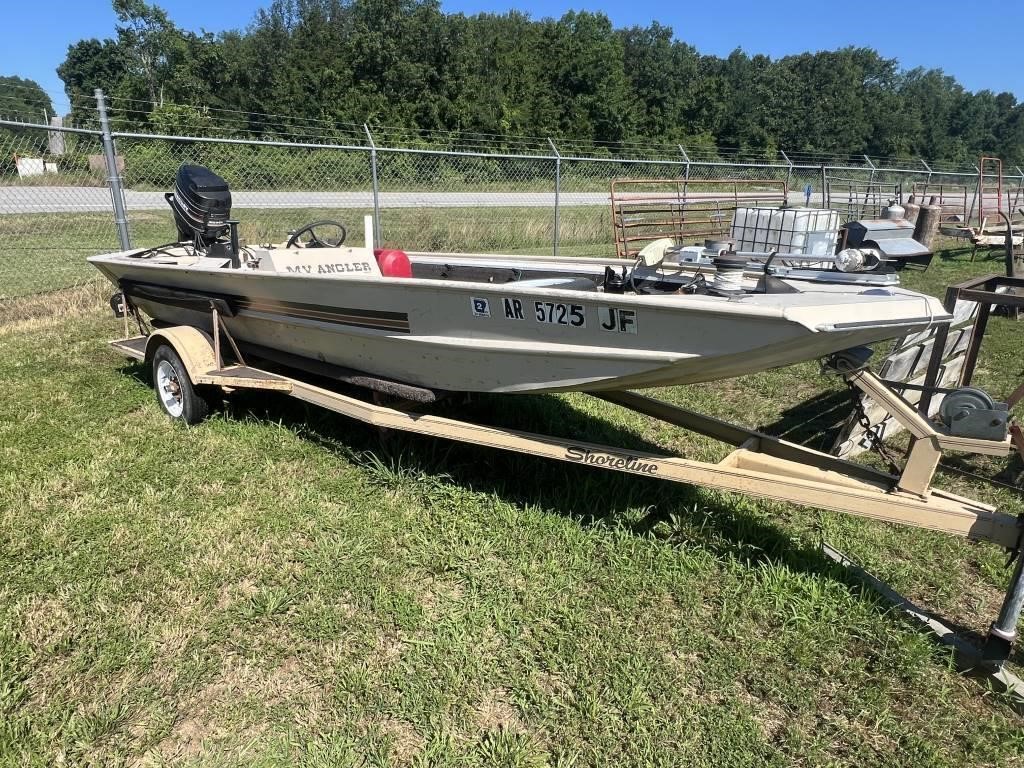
280,586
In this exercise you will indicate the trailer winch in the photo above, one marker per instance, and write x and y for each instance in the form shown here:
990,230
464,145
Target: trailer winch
971,412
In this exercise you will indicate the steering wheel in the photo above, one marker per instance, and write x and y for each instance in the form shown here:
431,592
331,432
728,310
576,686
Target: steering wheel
315,240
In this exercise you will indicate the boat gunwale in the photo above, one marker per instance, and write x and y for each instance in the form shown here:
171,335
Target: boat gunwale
713,305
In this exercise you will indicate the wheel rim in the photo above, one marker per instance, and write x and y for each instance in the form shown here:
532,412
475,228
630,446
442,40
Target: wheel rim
168,388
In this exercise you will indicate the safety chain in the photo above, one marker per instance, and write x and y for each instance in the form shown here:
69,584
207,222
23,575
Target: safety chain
872,432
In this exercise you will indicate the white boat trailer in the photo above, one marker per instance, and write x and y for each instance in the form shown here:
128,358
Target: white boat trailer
184,358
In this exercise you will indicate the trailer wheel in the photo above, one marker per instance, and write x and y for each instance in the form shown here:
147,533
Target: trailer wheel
174,389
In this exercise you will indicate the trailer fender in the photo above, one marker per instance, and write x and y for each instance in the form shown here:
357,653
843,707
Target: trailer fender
194,347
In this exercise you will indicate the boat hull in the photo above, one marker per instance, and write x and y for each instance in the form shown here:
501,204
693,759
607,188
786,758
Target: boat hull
502,337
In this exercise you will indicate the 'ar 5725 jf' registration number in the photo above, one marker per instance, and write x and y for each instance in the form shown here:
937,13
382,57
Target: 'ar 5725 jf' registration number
561,314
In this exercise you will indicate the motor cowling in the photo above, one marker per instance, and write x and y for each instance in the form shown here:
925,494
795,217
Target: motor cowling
201,202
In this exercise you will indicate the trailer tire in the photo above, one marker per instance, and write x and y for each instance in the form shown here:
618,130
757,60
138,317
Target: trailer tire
177,395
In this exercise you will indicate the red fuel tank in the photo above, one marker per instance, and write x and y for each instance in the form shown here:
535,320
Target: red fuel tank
393,263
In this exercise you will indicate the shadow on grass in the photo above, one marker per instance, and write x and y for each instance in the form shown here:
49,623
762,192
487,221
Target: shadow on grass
661,510
982,254
815,422
645,506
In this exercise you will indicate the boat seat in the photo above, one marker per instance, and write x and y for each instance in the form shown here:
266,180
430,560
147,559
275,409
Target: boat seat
561,283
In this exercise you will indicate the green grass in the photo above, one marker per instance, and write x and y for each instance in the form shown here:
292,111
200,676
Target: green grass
281,586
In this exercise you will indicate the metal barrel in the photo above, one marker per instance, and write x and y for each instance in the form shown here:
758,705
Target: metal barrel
911,210
926,227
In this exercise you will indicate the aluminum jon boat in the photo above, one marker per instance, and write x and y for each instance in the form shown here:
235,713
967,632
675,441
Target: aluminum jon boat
491,323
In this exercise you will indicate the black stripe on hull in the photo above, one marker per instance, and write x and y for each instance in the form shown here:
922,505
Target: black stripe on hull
373,319
353,317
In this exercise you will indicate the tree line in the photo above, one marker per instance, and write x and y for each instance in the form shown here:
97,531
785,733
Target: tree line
325,64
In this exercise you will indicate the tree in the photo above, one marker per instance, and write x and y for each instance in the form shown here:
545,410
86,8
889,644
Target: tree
180,120
1011,137
662,73
929,98
748,120
585,73
23,101
90,64
317,66
149,42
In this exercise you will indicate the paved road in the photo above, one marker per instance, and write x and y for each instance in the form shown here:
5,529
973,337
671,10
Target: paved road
87,199
84,199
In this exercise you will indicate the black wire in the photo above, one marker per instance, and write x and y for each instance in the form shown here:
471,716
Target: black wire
977,476
697,278
632,277
156,249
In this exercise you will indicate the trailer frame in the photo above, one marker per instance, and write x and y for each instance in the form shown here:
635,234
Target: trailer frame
760,465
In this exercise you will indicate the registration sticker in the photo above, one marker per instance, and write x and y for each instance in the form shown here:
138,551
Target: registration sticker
481,307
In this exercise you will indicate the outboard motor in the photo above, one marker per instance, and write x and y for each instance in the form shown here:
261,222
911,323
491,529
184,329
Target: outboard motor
201,203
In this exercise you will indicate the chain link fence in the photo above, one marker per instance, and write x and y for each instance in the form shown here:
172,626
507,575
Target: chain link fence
53,212
57,193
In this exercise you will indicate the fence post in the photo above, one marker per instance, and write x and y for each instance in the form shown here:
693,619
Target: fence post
825,202
113,177
558,189
686,157
927,168
789,174
871,178
977,197
376,188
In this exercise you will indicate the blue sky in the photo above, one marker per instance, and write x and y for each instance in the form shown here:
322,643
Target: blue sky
971,41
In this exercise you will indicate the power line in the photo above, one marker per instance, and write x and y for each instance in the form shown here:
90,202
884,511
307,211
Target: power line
436,135
321,129
246,113
471,138
54,99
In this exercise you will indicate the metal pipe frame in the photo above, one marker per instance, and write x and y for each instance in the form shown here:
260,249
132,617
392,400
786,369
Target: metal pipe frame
789,170
55,129
983,290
